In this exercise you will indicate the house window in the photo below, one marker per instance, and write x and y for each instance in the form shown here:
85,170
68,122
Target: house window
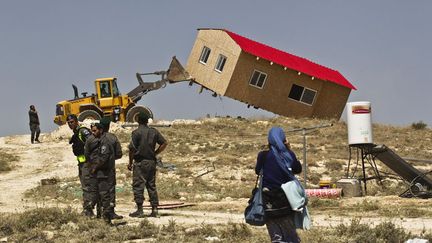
258,79
220,63
302,94
205,53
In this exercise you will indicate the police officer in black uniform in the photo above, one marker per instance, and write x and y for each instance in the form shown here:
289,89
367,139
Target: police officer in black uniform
101,170
78,139
105,122
142,160
34,124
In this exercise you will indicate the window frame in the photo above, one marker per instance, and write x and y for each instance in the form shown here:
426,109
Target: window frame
301,96
219,61
203,51
109,94
260,73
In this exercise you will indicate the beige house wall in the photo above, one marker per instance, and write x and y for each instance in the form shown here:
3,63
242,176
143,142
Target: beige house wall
331,101
274,94
205,74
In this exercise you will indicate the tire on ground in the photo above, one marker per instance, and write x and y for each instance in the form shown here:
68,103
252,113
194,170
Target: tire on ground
88,114
132,115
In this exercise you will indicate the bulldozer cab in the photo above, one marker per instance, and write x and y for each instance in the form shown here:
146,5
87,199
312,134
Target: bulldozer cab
106,89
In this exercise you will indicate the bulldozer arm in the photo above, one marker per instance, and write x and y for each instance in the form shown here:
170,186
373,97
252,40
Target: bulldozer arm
176,72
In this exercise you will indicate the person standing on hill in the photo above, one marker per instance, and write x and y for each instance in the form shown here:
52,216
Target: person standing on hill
34,124
78,139
142,160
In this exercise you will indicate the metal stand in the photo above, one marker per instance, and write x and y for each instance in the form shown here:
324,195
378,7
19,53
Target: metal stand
304,133
365,155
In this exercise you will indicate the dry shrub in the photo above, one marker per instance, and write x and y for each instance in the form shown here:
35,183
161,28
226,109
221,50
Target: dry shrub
367,205
6,160
333,165
321,203
418,125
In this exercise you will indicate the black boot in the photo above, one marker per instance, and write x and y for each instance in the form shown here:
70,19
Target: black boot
107,218
138,213
115,216
87,213
98,211
154,212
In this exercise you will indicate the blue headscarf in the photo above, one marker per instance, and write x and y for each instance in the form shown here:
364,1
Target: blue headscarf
276,139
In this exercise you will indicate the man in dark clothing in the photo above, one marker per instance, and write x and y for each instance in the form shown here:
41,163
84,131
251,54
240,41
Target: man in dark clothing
78,139
34,124
105,122
142,159
101,170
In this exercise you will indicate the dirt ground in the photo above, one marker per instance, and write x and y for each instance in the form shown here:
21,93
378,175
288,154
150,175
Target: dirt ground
53,158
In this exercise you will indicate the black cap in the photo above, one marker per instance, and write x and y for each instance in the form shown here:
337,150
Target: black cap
99,125
142,117
105,121
72,116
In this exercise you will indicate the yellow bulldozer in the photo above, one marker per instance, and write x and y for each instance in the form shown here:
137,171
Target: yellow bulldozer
108,102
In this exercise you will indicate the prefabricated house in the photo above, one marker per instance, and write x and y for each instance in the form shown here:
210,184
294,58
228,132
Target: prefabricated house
264,77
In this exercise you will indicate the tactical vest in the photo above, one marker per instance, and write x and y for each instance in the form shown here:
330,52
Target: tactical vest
78,141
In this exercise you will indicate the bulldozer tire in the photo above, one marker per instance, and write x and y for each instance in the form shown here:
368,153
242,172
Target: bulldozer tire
132,114
89,114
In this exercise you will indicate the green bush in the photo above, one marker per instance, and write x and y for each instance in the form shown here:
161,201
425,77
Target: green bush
418,125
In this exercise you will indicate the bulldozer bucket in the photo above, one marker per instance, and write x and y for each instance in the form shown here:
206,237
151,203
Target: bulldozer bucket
176,72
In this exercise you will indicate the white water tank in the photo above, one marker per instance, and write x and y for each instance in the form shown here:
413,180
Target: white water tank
359,122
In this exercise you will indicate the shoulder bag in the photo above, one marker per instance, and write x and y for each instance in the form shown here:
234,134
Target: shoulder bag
254,212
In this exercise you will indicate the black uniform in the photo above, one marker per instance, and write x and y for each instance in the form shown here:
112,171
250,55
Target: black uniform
144,140
102,164
78,140
34,125
117,155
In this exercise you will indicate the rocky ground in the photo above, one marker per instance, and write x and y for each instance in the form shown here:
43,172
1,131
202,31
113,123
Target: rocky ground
211,166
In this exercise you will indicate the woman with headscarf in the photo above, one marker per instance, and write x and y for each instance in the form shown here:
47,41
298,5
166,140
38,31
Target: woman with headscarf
278,165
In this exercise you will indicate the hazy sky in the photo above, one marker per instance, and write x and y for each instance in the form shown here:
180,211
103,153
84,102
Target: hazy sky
382,47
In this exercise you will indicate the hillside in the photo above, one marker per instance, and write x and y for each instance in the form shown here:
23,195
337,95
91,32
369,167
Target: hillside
209,163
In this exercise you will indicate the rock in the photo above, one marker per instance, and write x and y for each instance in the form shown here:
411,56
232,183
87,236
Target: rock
4,239
182,199
49,181
48,234
228,199
209,197
191,229
212,238
417,240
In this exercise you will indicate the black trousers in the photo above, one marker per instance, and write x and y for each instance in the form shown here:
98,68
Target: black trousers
144,175
101,191
84,176
35,131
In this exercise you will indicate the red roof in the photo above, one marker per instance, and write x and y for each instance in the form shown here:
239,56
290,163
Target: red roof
290,61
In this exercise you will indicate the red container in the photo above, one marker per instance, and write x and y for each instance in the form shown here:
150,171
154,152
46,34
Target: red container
324,193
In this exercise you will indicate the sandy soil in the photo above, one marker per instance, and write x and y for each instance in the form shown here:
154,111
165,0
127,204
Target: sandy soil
53,158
